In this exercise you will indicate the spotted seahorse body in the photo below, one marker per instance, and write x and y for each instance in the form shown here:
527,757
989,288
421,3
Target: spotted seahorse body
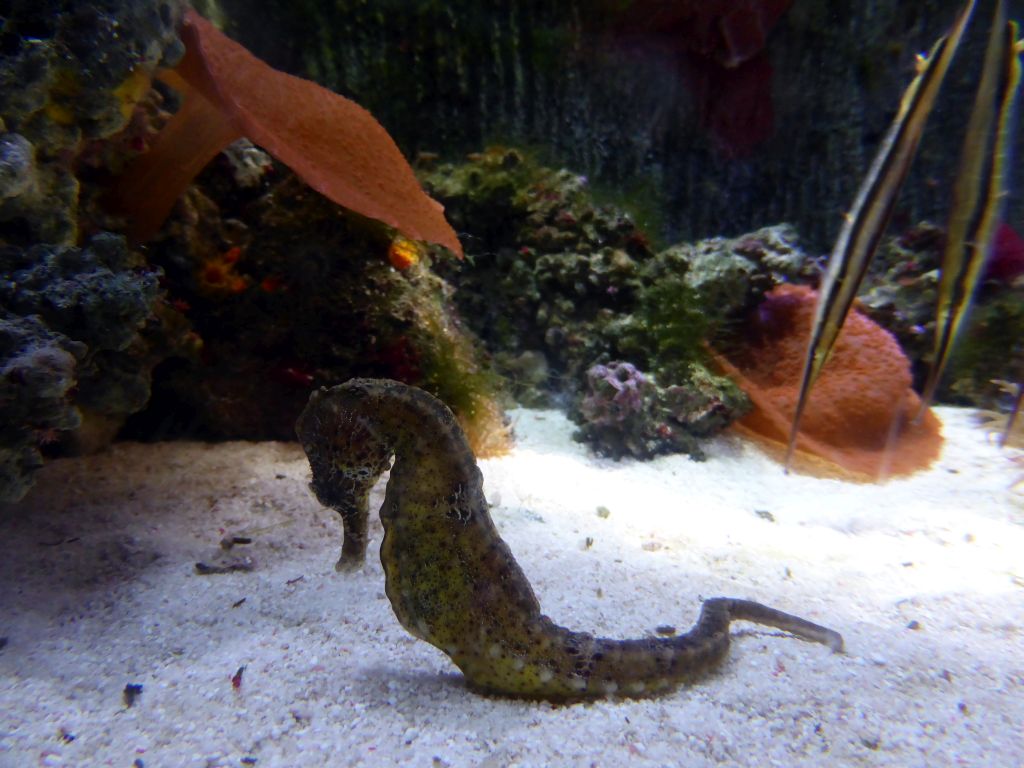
451,578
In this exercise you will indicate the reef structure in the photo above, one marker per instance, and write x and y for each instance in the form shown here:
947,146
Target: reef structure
81,320
70,74
80,332
562,288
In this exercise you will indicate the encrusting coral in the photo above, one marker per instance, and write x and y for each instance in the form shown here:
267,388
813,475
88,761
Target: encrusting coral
628,413
37,371
236,261
80,331
332,143
71,72
858,419
562,289
899,293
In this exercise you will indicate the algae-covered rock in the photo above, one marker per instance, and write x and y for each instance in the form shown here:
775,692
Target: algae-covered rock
289,292
84,324
624,412
37,372
729,275
70,71
990,354
99,295
694,292
81,335
900,293
564,290
547,268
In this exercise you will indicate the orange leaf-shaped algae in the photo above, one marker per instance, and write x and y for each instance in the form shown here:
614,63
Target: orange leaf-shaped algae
858,420
332,143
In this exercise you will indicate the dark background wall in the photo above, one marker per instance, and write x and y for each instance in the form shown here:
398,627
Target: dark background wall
599,90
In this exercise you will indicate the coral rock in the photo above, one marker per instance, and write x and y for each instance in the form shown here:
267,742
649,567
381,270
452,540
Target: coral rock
70,72
626,413
79,337
37,372
864,390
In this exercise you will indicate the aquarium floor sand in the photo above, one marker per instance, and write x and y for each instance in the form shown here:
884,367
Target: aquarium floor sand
292,664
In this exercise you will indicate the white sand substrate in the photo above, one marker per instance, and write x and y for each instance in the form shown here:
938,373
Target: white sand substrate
924,577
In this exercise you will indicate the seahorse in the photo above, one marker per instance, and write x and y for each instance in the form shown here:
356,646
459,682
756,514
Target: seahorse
453,581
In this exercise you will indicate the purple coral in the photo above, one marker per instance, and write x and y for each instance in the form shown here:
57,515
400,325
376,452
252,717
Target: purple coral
618,392
626,413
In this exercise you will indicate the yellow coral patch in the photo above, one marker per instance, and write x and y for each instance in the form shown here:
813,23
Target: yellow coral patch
62,94
60,114
131,90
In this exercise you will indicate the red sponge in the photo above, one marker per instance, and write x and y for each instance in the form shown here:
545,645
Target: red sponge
857,422
332,143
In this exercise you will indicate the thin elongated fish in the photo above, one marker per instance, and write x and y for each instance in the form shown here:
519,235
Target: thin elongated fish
978,191
866,222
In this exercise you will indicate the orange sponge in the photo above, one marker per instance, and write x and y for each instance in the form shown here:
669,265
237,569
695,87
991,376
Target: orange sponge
332,143
857,422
